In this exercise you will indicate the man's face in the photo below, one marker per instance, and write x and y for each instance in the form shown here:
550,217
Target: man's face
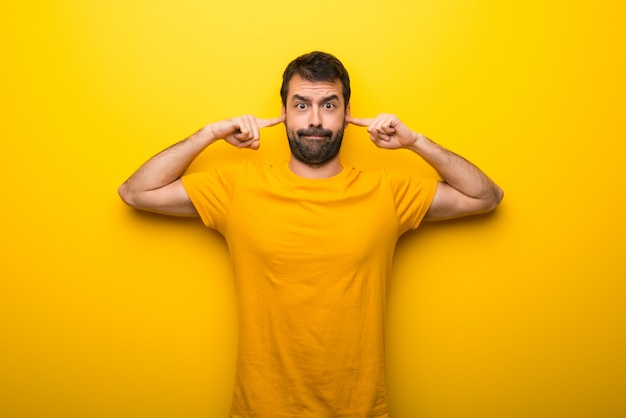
315,116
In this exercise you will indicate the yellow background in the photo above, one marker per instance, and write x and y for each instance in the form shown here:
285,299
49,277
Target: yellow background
107,312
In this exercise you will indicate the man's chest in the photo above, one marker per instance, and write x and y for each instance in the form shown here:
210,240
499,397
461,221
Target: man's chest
309,228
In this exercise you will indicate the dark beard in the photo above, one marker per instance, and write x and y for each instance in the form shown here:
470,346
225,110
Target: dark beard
318,151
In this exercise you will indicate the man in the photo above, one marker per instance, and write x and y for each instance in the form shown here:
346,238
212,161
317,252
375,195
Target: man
311,241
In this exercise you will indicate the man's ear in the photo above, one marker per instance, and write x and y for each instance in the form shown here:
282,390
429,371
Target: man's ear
347,115
282,111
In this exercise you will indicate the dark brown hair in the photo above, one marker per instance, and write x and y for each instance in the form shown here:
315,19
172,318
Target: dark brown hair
316,66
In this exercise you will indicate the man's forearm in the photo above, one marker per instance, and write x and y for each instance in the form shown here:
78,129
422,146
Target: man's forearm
168,165
456,171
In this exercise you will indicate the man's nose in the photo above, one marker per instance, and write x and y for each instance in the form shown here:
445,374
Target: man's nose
315,119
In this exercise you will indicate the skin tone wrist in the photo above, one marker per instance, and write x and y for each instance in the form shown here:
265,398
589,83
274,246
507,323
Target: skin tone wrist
206,135
417,142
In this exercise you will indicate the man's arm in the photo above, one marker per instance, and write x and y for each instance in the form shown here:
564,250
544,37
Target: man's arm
157,187
465,189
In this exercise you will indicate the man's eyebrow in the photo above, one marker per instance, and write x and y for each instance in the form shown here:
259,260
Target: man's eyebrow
301,98
330,98
308,99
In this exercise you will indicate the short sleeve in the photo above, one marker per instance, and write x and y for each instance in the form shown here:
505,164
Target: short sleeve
412,198
211,193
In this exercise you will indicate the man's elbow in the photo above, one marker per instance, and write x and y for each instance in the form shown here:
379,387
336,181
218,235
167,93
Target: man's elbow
496,197
127,195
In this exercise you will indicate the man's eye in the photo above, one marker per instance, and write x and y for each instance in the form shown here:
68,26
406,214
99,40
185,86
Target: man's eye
300,106
329,105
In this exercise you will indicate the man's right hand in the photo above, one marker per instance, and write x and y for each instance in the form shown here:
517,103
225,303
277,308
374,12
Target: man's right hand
242,131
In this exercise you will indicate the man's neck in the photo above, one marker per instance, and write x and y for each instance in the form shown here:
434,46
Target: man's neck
315,171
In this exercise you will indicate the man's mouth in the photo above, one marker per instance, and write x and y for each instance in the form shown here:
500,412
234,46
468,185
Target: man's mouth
315,133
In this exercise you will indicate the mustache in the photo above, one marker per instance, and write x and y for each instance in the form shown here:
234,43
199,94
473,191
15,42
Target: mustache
314,132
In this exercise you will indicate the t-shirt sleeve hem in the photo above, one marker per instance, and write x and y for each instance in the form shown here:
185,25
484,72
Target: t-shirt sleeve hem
193,194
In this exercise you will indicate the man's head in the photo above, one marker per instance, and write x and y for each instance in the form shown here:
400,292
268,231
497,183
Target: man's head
316,66
316,99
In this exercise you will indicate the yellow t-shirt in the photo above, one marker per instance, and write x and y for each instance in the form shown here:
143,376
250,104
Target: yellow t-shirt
311,259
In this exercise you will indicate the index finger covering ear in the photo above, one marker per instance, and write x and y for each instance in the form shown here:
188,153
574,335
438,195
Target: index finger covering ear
266,123
364,122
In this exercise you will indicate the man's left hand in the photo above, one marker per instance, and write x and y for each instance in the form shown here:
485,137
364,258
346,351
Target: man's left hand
387,131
